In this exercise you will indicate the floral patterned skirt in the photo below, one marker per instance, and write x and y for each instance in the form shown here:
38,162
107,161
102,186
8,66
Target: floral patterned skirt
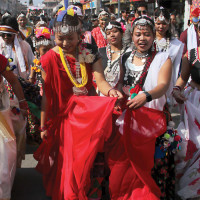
164,166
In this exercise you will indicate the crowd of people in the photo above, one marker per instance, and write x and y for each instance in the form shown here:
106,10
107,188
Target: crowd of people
97,97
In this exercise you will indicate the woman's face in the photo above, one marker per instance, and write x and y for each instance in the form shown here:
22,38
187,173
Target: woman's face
67,42
114,36
103,20
161,27
8,38
22,21
143,38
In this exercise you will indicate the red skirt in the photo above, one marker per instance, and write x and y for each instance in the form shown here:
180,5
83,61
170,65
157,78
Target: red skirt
131,155
66,156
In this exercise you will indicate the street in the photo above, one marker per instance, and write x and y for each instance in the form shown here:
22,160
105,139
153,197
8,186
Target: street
28,182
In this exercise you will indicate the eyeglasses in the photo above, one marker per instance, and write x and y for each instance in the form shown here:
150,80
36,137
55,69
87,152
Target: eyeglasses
142,12
3,35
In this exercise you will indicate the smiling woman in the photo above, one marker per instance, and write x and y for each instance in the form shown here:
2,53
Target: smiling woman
111,54
147,77
69,119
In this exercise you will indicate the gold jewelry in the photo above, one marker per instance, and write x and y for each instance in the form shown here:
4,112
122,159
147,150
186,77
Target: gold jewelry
69,73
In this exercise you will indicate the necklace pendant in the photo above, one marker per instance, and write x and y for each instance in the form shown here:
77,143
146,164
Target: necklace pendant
82,91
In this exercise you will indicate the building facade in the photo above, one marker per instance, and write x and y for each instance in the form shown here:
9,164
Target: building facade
9,5
49,5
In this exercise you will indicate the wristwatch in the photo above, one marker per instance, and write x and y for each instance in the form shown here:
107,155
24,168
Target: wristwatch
148,96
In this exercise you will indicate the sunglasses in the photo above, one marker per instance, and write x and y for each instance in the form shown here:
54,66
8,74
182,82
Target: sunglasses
143,12
3,35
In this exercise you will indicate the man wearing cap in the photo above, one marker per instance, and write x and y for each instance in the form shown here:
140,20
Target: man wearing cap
190,36
98,33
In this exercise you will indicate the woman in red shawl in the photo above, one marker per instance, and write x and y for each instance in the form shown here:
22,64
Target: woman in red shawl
74,126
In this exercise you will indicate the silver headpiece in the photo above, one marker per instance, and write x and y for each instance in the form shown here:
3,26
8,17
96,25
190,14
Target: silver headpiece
44,42
66,29
102,13
161,17
110,26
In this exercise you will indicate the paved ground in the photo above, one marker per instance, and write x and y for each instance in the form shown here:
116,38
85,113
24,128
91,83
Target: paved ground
28,182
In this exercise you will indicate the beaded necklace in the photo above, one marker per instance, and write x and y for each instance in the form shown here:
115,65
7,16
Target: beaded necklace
81,66
109,53
136,76
137,84
164,46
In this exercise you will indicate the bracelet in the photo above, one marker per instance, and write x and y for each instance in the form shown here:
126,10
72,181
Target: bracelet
148,96
176,87
109,91
22,100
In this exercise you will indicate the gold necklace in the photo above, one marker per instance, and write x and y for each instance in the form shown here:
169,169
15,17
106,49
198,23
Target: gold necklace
69,72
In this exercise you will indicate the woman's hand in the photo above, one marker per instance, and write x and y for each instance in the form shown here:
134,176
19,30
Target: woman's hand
137,102
23,108
180,98
43,134
115,93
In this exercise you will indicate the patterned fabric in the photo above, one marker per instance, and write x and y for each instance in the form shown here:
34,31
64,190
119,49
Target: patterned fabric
140,82
99,38
31,92
164,168
188,159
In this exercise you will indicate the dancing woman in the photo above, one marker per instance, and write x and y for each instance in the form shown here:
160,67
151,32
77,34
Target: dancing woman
188,159
146,81
74,126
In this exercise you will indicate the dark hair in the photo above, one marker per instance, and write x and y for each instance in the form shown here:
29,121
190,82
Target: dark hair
22,13
43,18
123,11
94,17
7,12
131,16
79,5
158,11
67,20
10,21
141,4
117,24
